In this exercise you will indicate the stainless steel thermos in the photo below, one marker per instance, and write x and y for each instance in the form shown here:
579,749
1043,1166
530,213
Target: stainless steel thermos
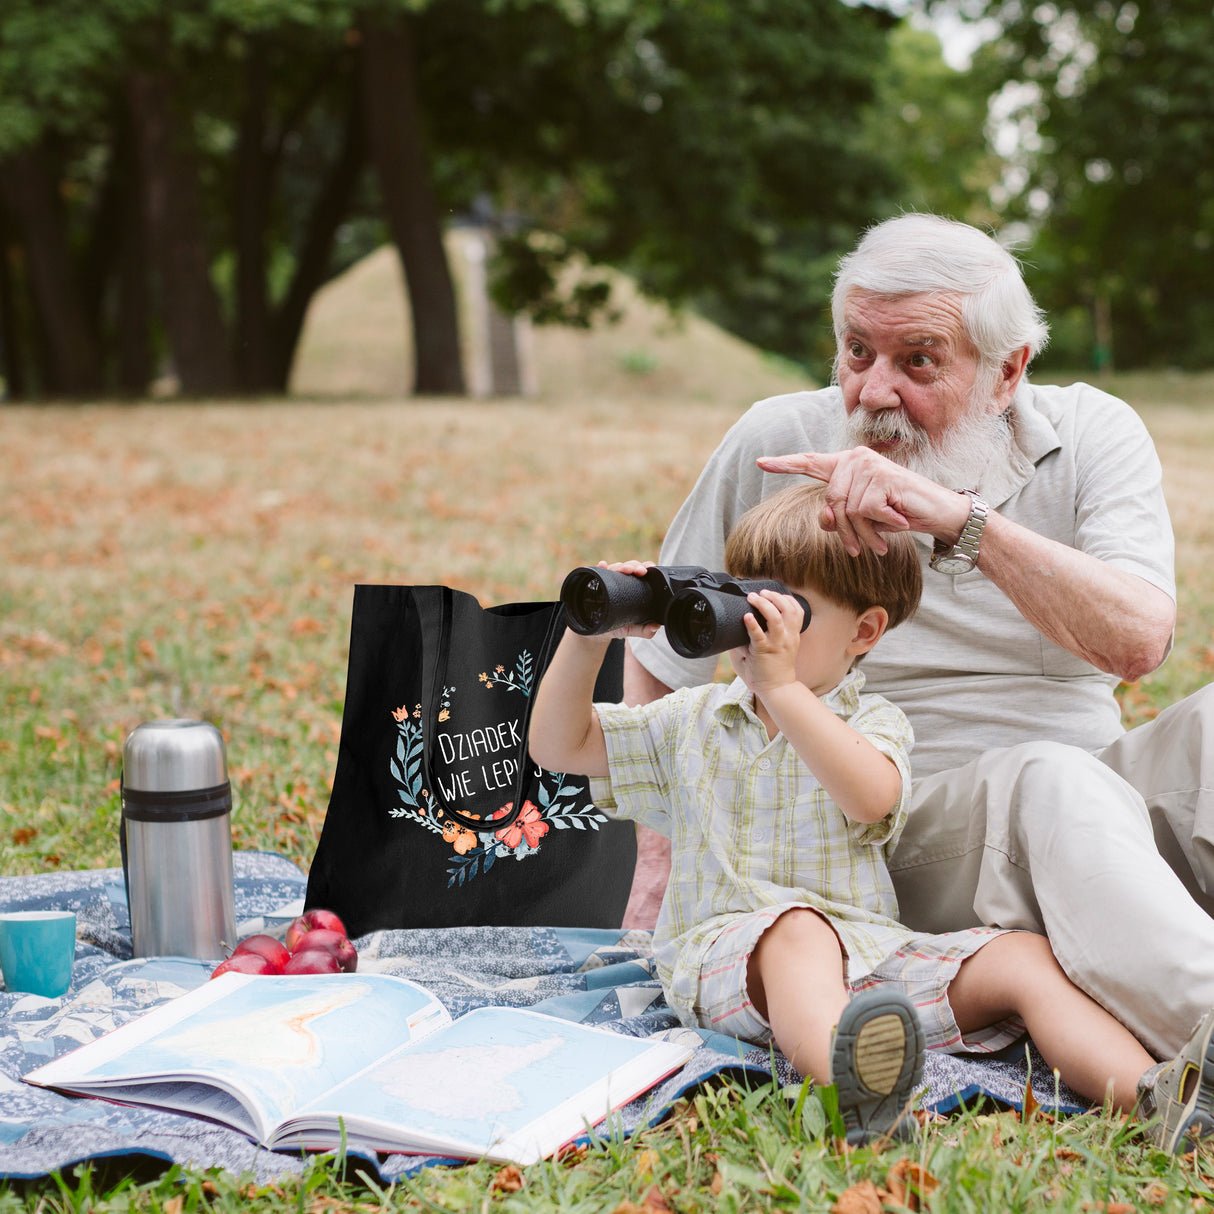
177,840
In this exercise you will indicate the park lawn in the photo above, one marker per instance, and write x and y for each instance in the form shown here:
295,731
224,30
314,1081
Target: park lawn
198,559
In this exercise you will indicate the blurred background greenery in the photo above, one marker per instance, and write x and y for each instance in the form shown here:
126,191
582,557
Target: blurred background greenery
718,153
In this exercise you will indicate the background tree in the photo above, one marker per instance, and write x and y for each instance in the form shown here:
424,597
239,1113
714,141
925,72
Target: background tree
710,149
177,178
133,111
1122,188
927,122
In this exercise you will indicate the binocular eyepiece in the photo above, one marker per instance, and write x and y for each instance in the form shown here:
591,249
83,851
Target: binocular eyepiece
702,612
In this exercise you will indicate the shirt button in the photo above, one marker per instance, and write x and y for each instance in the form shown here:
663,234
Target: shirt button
764,764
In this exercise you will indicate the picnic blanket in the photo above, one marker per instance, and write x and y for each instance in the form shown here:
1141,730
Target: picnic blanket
589,976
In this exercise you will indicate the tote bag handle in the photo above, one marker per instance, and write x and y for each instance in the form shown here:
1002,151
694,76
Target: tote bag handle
552,636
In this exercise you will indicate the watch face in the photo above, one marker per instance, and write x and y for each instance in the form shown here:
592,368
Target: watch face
953,564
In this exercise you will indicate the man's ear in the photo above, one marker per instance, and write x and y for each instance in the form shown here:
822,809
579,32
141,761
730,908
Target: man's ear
1011,372
870,628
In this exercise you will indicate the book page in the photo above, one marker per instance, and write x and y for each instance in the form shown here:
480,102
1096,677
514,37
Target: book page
502,1082
272,1042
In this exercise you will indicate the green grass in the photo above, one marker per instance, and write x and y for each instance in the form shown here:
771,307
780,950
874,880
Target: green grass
727,1149
199,560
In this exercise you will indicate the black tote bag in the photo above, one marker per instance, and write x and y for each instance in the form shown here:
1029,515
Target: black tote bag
438,818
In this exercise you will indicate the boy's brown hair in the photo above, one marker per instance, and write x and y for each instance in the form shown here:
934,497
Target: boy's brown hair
781,538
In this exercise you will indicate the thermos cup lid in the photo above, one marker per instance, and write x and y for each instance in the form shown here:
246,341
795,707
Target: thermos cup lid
175,755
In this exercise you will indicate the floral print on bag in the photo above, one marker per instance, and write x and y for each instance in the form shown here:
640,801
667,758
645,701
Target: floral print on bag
475,853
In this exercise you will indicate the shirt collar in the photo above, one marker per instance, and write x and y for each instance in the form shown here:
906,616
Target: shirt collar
843,699
1033,438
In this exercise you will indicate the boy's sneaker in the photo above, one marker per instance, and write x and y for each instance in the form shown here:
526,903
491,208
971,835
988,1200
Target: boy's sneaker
876,1063
1178,1096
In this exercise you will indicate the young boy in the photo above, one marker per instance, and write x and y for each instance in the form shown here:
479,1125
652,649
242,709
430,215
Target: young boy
782,793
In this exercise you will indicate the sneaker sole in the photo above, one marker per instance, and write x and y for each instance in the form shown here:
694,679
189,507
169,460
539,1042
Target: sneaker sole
876,1065
1198,1121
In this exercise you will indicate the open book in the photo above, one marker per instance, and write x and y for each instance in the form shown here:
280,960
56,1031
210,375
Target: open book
291,1060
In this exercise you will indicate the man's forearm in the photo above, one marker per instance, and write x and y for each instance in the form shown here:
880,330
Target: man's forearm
1115,620
1118,622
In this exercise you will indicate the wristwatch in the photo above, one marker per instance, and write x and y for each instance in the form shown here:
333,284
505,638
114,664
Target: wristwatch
962,556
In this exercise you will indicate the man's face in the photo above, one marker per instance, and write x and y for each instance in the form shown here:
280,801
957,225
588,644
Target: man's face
907,365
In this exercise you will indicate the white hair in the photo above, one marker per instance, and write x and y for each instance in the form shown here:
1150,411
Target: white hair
927,254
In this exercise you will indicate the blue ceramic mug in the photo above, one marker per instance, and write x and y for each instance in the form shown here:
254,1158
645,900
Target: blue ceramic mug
37,949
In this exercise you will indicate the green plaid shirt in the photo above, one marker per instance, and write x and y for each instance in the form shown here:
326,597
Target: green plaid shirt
750,826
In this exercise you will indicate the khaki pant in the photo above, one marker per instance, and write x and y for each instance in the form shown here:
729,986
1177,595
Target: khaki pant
1111,855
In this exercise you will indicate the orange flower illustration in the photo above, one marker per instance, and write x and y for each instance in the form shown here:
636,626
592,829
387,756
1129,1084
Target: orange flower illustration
450,831
529,825
401,713
465,841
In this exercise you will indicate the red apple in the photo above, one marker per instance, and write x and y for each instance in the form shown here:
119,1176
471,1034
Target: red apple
309,921
318,917
245,963
273,950
332,942
312,961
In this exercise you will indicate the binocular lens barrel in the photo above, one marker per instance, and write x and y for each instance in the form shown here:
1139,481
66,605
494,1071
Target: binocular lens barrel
703,622
597,600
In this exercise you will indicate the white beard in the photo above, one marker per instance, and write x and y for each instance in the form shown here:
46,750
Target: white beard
962,455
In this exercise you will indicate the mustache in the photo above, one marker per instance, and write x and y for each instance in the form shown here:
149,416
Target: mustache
886,426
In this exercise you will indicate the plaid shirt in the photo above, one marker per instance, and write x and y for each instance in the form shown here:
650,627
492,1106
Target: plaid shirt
750,826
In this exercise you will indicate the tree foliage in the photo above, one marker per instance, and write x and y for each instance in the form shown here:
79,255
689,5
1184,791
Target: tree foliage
175,179
927,123
713,149
194,209
1122,187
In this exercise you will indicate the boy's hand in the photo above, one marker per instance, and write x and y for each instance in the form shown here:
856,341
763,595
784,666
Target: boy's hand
636,569
769,660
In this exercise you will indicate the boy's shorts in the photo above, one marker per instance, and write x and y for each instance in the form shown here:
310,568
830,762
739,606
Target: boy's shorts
921,969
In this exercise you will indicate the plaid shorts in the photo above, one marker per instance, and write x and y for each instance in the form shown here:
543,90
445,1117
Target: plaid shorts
921,969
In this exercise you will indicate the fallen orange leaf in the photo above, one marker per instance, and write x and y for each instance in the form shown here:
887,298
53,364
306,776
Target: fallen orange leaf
507,1180
910,1184
862,1198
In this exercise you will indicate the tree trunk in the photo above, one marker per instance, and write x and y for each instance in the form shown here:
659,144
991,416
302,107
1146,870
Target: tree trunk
12,348
30,191
312,262
116,269
133,310
389,80
252,354
179,254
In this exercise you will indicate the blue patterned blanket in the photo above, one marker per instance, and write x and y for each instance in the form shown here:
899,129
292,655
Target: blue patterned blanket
590,976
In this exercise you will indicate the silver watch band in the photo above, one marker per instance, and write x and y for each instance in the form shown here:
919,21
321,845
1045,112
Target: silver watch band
963,555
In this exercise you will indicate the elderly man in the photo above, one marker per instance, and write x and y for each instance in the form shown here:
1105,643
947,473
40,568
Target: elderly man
1048,579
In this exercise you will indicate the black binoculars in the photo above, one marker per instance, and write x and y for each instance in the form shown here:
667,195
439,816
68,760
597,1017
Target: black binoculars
702,612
